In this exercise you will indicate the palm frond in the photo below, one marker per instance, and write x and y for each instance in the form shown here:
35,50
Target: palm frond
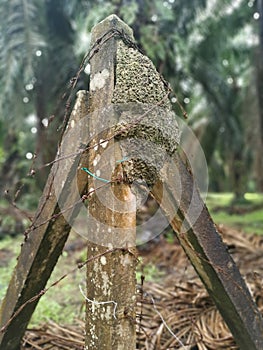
20,40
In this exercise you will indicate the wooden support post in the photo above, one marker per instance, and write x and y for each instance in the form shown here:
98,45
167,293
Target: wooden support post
203,245
46,236
111,283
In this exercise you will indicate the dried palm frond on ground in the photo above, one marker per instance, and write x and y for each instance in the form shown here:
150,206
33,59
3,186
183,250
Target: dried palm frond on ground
176,313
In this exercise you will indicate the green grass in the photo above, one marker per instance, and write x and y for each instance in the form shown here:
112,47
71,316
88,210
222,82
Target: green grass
251,222
12,247
218,199
149,270
63,302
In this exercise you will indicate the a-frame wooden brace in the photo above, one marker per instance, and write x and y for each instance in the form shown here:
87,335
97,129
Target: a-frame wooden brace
113,44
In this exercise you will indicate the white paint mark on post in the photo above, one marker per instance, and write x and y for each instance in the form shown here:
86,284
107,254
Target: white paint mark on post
103,260
99,80
94,302
96,160
103,143
72,123
125,260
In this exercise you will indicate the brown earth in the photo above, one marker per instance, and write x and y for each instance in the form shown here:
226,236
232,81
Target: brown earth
176,312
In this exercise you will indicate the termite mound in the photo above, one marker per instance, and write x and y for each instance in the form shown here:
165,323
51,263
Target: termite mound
147,126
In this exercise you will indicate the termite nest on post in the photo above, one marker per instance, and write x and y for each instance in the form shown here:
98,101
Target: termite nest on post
137,80
147,140
147,129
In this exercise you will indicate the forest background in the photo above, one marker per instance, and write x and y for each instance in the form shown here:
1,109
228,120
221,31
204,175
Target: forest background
209,51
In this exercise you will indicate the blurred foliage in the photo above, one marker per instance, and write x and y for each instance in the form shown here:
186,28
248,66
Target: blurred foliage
246,215
205,49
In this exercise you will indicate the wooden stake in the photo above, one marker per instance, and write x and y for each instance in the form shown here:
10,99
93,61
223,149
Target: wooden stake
111,299
46,236
203,245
